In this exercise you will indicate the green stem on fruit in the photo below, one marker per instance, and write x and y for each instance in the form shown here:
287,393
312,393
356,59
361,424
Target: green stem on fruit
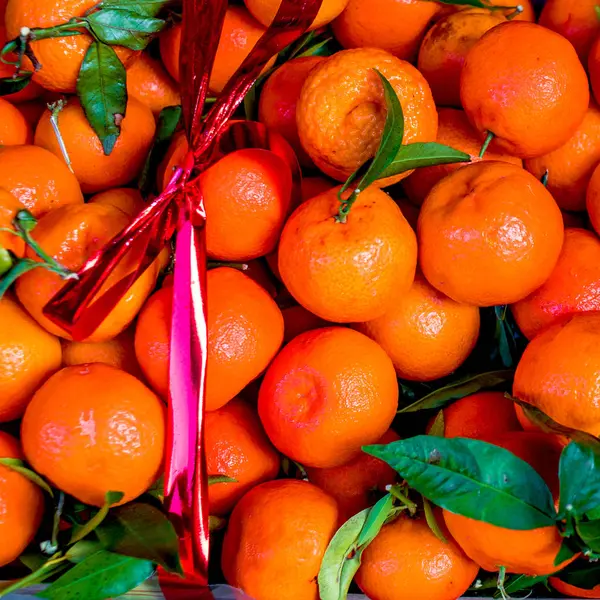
40,575
518,10
501,581
55,108
544,178
488,140
399,494
432,521
215,264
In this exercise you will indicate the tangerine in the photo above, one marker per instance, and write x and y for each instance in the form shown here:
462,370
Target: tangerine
489,234
426,334
328,393
353,271
91,429
14,128
236,446
265,11
501,93
95,170
9,207
592,199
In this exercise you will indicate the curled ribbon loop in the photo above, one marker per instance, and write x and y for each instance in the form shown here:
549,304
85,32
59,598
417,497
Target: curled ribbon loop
82,305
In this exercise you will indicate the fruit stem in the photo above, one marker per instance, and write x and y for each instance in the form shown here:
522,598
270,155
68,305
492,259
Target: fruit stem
544,178
397,492
46,570
518,10
488,141
432,521
501,580
214,264
55,108
345,206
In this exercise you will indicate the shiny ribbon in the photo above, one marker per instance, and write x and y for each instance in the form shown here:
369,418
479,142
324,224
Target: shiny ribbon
82,305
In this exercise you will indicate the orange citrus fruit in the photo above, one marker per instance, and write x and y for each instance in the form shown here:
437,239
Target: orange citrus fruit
29,356
297,320
149,82
531,552
279,97
443,51
71,235
501,91
38,179
21,505
91,429
570,167
247,197
424,569
265,11
328,393
341,110
9,207
60,57
576,20
592,199
239,35
14,128
236,446
573,286
454,131
95,170
489,234
245,331
353,271
355,485
395,26
558,373
426,334
566,589
118,352
276,539
128,200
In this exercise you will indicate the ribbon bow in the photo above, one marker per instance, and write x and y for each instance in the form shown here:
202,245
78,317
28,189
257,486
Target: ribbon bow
82,305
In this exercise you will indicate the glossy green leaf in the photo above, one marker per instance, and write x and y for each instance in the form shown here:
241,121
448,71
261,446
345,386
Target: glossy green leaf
579,474
472,478
124,28
33,560
474,3
545,423
166,126
100,576
141,531
438,427
568,549
102,89
321,48
422,154
391,140
19,466
111,499
520,583
12,85
148,8
581,574
343,556
82,550
589,533
459,389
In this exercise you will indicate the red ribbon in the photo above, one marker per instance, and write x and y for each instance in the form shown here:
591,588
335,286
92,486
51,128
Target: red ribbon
82,305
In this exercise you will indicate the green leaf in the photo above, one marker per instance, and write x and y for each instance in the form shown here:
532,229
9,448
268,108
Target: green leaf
472,478
102,89
545,423
119,27
319,49
391,140
12,85
19,466
212,479
142,531
102,575
166,126
567,550
148,8
589,532
422,154
474,3
82,550
581,574
251,103
459,389
79,533
438,427
579,473
33,560
521,583
157,489
343,555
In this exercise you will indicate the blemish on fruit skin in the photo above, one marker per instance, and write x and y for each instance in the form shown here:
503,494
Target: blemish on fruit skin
87,427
